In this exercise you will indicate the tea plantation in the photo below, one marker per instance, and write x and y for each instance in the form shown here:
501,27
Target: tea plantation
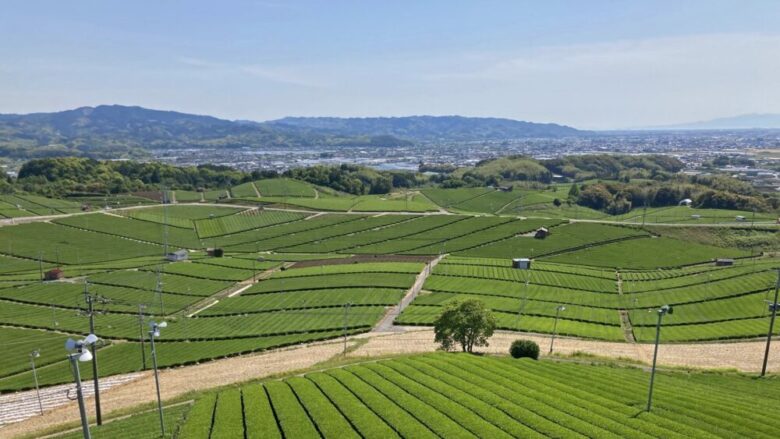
459,395
338,264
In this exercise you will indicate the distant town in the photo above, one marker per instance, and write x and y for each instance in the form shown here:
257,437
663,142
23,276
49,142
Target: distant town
759,149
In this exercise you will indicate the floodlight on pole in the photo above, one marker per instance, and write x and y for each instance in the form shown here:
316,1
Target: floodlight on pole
154,331
33,355
80,353
558,310
773,307
662,311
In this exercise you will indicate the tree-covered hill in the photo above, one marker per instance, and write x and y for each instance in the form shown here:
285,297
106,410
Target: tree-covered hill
432,128
115,131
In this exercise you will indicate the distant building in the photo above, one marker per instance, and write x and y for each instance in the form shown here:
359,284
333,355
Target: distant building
541,233
54,274
686,202
521,263
739,218
178,255
724,262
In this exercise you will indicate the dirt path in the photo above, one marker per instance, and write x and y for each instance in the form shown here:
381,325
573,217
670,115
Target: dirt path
743,356
625,319
386,324
179,381
257,191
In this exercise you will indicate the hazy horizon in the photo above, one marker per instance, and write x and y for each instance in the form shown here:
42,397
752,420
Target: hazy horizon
595,65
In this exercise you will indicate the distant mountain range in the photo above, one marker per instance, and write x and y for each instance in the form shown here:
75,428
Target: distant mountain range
432,128
114,131
742,122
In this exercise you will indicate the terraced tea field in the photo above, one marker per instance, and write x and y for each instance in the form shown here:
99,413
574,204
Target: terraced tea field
211,304
608,276
458,395
710,302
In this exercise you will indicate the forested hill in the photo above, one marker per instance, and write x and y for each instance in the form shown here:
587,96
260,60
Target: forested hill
114,131
428,128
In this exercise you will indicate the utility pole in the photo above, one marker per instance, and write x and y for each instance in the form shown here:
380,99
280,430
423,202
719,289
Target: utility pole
141,337
165,219
662,311
158,290
155,332
33,355
772,307
558,310
346,311
90,299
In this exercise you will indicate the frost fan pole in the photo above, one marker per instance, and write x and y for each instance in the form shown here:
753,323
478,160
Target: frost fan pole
95,380
772,307
662,311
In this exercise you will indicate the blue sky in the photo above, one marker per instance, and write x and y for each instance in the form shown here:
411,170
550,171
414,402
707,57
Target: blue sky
590,64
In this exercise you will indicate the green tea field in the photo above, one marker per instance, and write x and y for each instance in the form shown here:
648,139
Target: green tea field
458,395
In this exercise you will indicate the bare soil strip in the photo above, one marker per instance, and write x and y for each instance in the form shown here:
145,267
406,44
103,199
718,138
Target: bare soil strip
362,258
743,356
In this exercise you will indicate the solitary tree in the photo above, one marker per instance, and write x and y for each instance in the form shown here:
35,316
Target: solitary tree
467,323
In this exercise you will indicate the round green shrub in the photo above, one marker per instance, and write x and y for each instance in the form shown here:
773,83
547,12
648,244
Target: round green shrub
524,349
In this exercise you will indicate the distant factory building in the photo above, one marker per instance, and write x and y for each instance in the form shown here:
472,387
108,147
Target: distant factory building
178,255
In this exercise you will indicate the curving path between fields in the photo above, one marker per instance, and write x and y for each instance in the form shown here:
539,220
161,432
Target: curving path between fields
175,382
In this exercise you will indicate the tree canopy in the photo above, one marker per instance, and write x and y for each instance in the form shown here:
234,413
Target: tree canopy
466,323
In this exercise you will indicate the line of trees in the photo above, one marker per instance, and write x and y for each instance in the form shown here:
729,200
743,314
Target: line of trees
717,192
62,176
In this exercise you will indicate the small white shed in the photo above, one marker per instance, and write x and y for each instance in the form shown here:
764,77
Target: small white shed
521,263
178,255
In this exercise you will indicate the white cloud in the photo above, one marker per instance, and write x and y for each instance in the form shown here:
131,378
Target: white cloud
627,83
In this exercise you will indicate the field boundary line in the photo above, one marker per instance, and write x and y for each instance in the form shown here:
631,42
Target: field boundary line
394,238
230,291
507,204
